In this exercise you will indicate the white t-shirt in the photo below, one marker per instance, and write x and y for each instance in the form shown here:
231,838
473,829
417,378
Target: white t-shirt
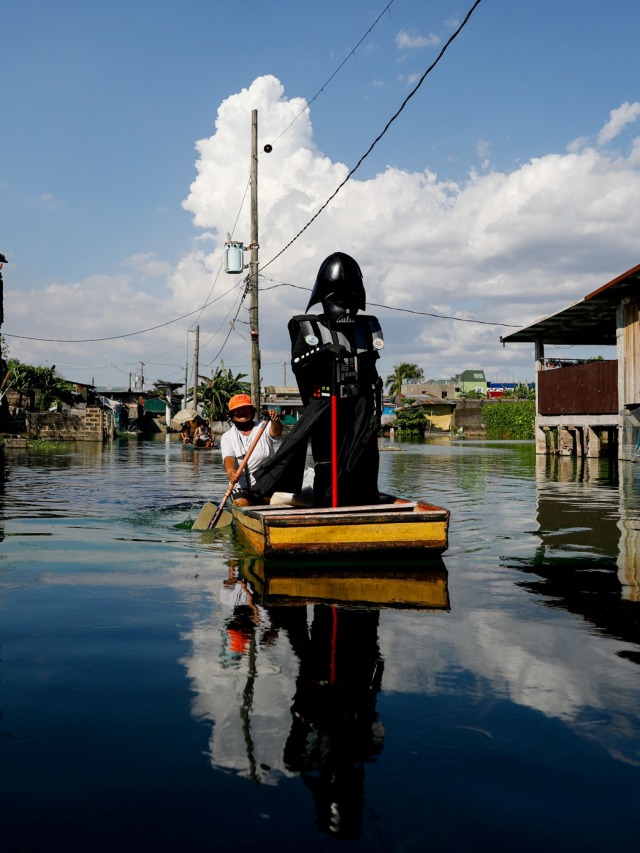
234,443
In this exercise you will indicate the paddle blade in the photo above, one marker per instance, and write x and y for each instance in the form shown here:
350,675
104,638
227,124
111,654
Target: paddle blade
206,514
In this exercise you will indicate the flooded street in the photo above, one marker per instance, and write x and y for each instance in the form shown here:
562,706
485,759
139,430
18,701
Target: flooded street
163,689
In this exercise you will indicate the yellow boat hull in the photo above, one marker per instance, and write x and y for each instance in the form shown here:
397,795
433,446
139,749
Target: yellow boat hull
393,525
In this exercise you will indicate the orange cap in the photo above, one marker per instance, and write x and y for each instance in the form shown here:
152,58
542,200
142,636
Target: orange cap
239,401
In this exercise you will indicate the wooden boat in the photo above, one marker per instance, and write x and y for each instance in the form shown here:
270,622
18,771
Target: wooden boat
392,525
414,586
200,447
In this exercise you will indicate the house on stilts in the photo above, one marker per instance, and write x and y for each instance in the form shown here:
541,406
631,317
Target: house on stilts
587,407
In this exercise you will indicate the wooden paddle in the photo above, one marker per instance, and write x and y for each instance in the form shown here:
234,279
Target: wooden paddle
214,521
207,514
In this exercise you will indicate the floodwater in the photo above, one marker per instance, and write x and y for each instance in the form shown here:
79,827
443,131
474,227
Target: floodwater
163,690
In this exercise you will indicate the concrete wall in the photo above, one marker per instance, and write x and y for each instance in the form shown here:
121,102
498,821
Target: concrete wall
468,416
90,424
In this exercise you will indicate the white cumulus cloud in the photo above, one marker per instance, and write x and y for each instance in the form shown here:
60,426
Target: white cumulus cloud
618,119
413,40
503,247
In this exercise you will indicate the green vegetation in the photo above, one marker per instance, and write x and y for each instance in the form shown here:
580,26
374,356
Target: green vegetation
217,392
510,419
411,421
43,446
51,388
521,392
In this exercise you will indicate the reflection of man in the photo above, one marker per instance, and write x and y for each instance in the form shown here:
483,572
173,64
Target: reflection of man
335,728
244,694
334,354
245,615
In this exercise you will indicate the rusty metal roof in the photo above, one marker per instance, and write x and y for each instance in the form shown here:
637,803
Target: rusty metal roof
589,321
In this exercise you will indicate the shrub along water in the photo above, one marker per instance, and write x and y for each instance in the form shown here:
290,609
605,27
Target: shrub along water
510,419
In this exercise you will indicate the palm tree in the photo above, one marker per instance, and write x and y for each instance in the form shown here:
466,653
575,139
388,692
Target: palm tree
403,373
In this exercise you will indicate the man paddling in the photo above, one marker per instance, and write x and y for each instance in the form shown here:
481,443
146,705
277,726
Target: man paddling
236,441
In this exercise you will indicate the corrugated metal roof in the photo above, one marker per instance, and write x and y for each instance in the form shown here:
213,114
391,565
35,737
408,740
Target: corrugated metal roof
429,400
155,405
589,321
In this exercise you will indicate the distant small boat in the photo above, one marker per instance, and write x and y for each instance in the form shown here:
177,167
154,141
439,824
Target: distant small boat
199,447
393,525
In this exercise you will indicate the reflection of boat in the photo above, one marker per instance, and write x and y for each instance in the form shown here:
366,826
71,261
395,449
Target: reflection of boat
329,612
278,530
424,587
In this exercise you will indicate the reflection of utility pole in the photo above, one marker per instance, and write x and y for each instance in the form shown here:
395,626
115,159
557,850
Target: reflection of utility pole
245,711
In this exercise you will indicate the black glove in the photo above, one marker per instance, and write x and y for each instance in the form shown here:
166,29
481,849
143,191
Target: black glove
338,350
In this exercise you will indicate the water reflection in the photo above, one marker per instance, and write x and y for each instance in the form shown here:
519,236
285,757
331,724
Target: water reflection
300,643
587,563
309,693
335,729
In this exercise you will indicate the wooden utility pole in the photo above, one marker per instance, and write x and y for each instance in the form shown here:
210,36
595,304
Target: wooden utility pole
196,368
253,276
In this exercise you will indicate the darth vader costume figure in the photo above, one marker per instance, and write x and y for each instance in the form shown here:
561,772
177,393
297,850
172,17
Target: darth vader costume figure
333,354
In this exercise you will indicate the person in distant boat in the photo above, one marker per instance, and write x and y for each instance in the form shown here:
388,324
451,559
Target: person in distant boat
185,434
202,436
235,442
334,354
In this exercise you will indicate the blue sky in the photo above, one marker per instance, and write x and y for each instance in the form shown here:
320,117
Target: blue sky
506,189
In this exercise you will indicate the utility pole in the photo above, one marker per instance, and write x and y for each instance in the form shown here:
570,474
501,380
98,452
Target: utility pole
186,385
196,368
253,277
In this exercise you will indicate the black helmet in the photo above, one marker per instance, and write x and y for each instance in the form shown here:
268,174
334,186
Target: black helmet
339,281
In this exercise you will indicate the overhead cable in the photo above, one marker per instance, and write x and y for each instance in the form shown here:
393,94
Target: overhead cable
379,137
326,83
126,334
404,310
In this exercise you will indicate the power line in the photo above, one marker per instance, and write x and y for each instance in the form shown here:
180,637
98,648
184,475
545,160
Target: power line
326,83
403,310
313,218
443,316
308,104
231,328
217,275
379,137
126,334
